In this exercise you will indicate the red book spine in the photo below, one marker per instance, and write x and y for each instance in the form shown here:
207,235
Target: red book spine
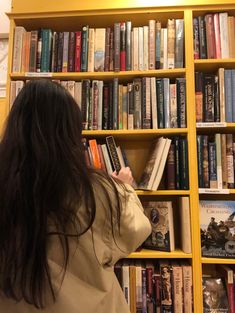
78,39
210,36
217,36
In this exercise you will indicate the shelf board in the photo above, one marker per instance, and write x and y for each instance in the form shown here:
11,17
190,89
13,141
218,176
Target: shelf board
212,65
124,75
135,134
152,254
163,193
211,191
217,261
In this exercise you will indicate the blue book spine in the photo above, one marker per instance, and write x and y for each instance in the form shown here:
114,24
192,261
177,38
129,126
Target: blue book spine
212,165
228,95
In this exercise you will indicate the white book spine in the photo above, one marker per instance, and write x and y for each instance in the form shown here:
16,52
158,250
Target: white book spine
223,21
13,93
185,224
146,48
71,87
141,48
135,49
78,93
91,50
165,56
188,286
107,159
152,44
18,48
126,283
99,49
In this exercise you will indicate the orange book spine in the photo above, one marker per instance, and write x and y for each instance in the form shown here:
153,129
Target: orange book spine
95,153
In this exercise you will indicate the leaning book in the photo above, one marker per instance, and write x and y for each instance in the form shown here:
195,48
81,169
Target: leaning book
160,215
218,229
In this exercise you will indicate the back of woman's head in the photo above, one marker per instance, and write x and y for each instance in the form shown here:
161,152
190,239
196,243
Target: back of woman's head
43,180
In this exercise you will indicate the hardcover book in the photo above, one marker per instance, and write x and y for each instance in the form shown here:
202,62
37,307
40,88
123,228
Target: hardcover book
218,229
160,215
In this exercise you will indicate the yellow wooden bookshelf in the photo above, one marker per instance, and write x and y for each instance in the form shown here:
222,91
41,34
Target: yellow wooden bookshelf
61,15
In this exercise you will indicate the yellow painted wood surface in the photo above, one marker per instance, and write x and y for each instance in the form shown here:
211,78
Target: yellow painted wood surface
3,113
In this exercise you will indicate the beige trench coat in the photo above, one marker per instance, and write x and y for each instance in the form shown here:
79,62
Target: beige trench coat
90,285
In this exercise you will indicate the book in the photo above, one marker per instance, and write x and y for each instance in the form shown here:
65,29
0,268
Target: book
160,215
214,295
185,228
217,228
112,148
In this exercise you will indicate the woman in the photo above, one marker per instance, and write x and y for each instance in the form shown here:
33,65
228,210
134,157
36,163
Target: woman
63,225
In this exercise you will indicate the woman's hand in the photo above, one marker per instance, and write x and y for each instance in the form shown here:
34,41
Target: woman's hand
124,175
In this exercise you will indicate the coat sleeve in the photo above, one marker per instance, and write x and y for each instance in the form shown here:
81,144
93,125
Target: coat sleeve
134,226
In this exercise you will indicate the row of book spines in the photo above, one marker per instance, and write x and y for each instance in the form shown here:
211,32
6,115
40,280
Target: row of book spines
147,103
100,49
176,171
176,175
216,160
215,95
167,288
214,36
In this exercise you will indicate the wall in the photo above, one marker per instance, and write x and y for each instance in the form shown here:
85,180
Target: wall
5,6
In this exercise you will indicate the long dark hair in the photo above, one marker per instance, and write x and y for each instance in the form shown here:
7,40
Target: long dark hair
43,181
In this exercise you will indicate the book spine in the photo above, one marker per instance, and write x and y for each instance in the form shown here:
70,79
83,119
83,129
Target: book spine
153,99
223,20
111,53
196,44
228,95
117,41
205,162
177,163
33,51
107,49
18,48
95,99
115,103
60,52
216,100
54,52
229,157
146,48
65,52
128,46
71,63
39,52
200,160
209,98
113,153
171,43
177,288
141,48
231,36
166,95
202,37
199,96
210,36
84,49
105,107
95,153
124,108
91,50
217,36
122,46
78,45
130,105
135,45
107,159
218,160
100,103
111,106
179,43
184,179
212,165
170,168
85,103
188,286
144,291
120,109
150,304
221,94
152,44
158,44
160,103
137,103
99,49
181,102
224,161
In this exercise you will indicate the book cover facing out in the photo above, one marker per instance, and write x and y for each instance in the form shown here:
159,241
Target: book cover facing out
214,296
218,229
158,214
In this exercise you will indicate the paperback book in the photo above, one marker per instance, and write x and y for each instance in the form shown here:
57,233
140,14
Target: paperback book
218,228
